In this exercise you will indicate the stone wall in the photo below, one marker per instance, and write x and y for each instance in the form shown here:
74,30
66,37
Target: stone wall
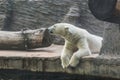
44,13
36,14
2,13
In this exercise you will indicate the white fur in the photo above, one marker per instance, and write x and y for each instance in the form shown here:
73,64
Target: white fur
75,38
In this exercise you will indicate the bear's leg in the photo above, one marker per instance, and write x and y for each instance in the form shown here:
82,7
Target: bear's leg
66,54
83,50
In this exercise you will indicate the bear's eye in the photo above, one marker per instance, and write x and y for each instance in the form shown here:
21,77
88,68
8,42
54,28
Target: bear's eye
54,26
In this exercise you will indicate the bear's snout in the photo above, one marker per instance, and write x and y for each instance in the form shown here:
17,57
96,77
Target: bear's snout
50,30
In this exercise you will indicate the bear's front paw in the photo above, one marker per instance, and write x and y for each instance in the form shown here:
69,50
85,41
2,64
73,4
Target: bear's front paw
74,61
64,65
65,61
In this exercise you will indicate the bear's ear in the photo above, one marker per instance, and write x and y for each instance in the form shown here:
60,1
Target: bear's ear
69,30
66,28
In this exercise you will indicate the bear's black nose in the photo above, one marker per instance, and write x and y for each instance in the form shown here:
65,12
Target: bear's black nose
51,31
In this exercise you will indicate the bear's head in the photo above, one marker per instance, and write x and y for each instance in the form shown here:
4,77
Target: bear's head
59,29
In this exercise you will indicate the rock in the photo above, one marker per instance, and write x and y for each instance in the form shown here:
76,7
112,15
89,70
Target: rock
2,17
2,13
48,60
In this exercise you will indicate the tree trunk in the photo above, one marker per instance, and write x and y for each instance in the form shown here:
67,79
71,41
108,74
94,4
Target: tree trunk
111,42
25,39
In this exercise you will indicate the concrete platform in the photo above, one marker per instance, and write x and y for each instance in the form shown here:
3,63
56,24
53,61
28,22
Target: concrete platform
52,51
48,60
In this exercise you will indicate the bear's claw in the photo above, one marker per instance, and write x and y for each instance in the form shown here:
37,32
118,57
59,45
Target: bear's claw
71,68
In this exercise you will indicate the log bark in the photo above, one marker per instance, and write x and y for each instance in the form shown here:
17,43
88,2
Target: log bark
25,39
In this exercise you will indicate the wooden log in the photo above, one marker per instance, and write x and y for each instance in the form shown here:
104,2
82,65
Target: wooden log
25,39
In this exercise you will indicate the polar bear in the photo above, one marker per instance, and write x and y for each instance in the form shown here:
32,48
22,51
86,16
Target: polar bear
78,43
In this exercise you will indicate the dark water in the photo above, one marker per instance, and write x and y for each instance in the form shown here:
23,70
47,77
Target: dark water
28,75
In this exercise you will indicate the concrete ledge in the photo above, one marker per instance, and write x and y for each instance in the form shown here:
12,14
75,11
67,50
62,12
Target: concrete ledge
47,60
